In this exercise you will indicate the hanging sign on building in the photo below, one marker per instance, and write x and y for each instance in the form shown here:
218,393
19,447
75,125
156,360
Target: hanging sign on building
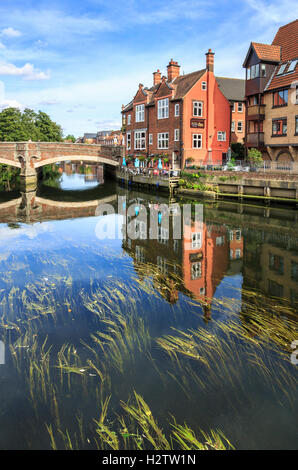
198,123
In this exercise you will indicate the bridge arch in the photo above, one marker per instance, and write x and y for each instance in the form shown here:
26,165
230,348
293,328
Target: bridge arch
75,158
15,163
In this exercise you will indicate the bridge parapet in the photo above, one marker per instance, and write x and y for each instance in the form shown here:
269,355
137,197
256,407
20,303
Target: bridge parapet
30,155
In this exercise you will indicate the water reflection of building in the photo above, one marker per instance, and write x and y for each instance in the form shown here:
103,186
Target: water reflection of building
205,258
158,258
271,264
93,173
194,265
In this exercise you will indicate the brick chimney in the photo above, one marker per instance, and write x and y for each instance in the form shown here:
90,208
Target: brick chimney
156,77
173,70
210,61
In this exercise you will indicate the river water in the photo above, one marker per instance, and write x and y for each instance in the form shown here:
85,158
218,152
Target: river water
103,301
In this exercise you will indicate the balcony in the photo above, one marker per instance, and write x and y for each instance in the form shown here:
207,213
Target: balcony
255,139
256,111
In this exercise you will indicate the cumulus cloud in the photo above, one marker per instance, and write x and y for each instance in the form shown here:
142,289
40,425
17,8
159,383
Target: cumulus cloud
10,104
11,32
27,72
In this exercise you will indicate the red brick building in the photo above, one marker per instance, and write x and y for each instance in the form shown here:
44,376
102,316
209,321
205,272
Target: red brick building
185,118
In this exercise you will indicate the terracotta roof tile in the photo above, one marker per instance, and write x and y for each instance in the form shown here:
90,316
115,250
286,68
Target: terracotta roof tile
287,38
267,51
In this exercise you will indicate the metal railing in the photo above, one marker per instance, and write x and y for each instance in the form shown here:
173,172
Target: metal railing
149,172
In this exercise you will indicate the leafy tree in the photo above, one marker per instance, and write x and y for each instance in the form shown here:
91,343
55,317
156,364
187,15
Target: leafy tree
255,158
238,150
11,128
70,137
49,130
16,126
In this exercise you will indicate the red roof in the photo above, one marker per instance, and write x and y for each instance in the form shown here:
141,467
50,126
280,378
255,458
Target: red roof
267,52
287,38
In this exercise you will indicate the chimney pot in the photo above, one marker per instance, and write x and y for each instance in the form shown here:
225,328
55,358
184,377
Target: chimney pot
210,60
156,77
173,70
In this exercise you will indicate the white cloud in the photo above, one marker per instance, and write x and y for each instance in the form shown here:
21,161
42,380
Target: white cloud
8,103
11,32
49,102
28,71
2,46
11,104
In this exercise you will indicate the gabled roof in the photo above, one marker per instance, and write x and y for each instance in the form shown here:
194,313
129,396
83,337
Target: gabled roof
184,83
232,88
265,52
181,86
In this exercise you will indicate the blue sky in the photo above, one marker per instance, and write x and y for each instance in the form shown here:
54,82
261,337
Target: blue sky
79,61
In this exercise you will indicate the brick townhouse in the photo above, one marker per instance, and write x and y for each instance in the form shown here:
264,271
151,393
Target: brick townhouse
272,97
183,118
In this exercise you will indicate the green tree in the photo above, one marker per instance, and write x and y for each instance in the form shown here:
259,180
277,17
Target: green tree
70,137
16,126
238,150
11,128
30,130
49,130
255,158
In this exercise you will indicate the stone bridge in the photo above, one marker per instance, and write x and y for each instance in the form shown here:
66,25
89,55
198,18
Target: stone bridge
28,156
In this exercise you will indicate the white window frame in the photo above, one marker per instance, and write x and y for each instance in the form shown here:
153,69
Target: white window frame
221,136
128,119
176,135
140,113
150,139
197,139
196,240
241,127
241,107
197,108
233,126
196,270
163,108
128,140
163,140
204,85
177,110
140,140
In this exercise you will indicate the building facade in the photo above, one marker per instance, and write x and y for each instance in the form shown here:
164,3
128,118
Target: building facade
272,98
185,118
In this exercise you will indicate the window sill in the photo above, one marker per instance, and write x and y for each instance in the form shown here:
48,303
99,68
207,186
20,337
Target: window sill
279,135
280,106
